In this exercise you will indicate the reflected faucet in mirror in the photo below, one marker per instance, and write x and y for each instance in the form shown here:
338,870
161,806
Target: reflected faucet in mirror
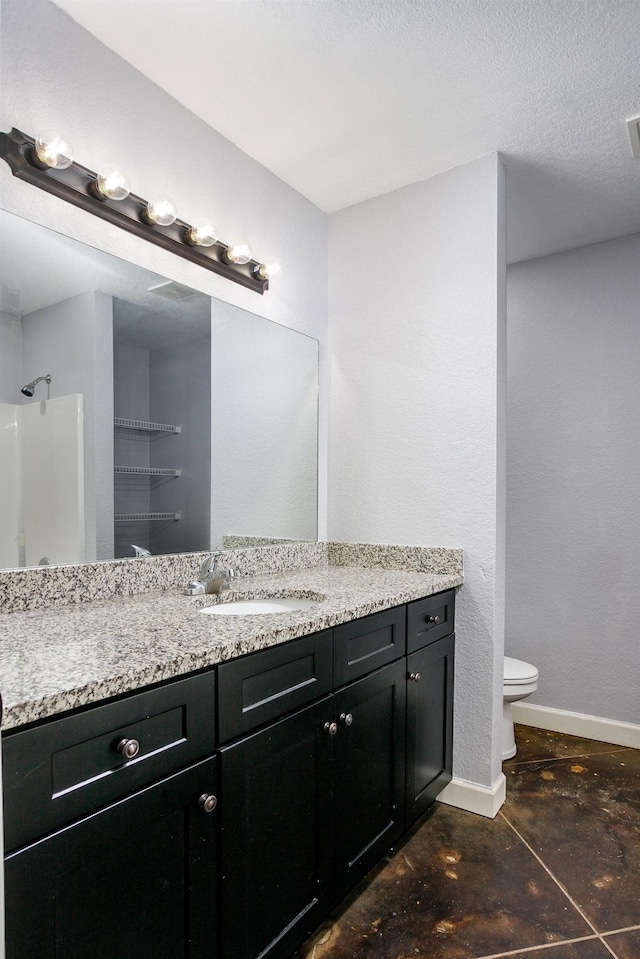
140,551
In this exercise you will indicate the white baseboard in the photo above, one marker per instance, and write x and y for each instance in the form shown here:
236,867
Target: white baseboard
483,800
577,724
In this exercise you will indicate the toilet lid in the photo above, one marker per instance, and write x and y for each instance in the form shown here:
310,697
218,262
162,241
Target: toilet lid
516,671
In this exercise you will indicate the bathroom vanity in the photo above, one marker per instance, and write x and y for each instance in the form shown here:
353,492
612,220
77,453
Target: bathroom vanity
228,809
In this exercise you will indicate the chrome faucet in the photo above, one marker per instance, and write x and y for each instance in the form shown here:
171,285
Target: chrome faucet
140,551
212,577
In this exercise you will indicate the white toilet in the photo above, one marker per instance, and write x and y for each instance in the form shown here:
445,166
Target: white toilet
520,680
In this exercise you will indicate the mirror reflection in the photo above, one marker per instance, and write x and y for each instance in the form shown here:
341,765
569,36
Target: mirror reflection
135,411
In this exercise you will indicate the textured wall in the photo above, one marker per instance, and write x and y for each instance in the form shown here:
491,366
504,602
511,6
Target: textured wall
416,420
55,74
573,477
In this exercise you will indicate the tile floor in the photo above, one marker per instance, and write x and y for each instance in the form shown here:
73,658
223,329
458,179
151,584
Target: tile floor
555,876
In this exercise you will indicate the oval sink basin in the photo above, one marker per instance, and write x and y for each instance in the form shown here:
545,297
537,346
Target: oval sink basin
253,607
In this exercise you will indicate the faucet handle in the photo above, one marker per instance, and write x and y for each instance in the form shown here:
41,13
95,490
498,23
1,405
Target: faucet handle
196,588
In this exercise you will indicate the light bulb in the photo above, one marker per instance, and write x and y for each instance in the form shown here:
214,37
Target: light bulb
267,269
54,151
161,210
238,252
112,183
202,232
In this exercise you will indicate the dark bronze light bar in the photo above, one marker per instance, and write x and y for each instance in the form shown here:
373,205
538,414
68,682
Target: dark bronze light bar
76,184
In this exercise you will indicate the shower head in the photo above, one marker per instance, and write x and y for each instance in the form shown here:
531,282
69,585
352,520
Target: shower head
29,389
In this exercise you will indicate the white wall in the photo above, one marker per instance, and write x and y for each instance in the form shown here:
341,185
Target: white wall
72,340
55,74
573,490
416,419
11,382
264,394
11,374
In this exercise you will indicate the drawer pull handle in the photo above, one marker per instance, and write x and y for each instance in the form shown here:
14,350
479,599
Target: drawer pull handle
415,677
346,719
129,748
207,802
331,728
434,620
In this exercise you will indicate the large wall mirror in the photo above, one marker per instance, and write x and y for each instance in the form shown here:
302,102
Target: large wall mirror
137,411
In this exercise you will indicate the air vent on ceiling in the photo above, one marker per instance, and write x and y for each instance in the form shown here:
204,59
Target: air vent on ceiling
633,126
173,291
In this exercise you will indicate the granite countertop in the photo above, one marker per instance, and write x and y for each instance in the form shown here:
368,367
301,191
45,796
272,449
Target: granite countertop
56,659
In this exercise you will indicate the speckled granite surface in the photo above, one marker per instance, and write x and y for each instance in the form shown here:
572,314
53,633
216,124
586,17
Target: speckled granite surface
233,541
380,556
60,658
45,586
42,587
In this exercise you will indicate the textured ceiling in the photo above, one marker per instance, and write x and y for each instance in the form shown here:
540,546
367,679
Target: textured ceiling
349,99
47,267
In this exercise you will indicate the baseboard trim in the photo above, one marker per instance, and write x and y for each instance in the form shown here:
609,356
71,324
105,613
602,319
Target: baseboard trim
577,724
483,800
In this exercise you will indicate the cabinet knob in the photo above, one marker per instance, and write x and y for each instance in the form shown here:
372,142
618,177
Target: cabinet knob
331,728
129,748
346,719
415,677
207,802
434,620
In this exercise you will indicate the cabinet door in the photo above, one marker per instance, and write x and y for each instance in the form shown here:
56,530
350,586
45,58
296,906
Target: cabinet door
276,834
429,725
370,763
135,879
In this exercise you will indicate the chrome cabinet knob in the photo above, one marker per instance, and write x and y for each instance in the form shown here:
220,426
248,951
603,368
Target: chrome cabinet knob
434,620
208,802
346,719
129,748
331,728
415,677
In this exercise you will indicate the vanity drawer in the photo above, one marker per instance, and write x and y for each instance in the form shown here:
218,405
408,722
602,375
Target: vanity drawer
64,769
366,644
263,686
430,619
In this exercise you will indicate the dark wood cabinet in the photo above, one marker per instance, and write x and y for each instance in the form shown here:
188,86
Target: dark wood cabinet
429,724
309,805
365,644
276,834
369,772
329,747
66,768
134,879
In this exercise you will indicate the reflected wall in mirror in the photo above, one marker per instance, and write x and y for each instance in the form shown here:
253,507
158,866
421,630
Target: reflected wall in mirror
171,419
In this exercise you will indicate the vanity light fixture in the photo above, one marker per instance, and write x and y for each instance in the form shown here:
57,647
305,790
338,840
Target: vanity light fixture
238,252
267,269
201,233
160,210
112,183
53,151
48,164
